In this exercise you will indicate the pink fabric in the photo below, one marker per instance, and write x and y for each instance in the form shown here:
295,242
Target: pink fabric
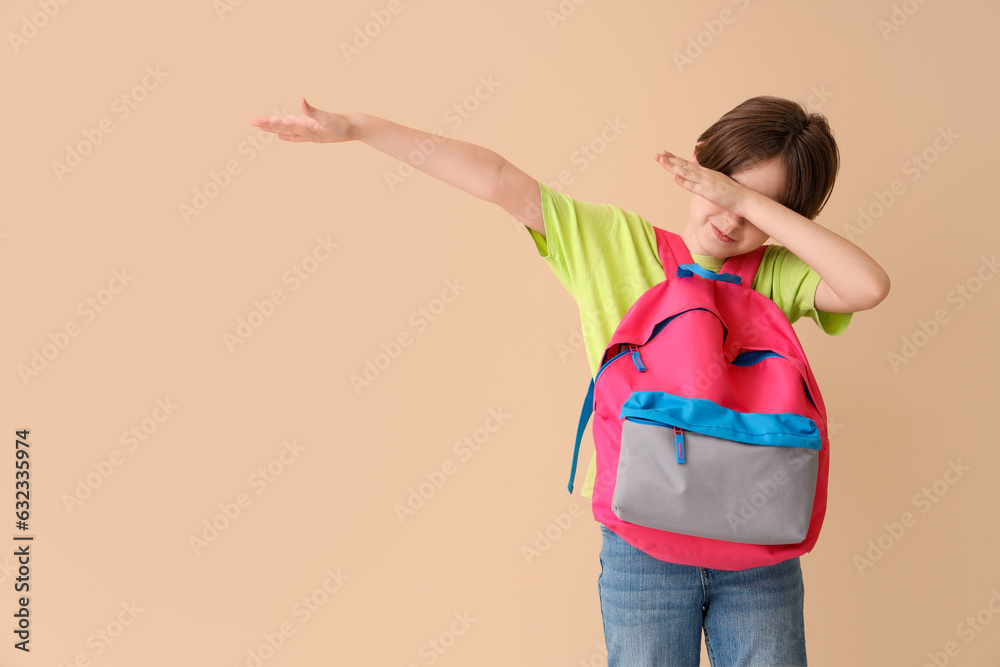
689,358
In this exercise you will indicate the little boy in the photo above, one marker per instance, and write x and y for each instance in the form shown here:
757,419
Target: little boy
764,170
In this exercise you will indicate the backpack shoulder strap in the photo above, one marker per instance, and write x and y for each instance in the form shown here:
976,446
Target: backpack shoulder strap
672,250
745,266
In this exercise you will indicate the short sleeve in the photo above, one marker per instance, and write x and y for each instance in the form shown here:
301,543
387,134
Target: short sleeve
791,284
605,256
578,235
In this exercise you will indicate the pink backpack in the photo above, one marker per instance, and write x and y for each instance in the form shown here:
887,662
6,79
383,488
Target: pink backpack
710,431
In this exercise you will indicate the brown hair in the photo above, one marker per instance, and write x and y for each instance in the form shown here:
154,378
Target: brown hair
763,127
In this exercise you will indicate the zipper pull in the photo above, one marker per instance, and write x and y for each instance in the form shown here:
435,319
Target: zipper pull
636,359
679,440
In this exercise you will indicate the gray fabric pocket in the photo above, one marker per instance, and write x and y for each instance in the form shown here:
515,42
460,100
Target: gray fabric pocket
751,481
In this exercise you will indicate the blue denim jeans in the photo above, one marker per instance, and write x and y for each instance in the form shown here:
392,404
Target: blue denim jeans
654,611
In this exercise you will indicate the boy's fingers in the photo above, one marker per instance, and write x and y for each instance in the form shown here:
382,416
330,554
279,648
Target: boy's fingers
283,123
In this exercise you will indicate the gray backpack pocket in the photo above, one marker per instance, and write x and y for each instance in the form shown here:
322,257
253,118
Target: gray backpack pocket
693,467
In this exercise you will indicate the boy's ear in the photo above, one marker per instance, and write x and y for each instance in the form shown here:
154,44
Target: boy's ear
694,152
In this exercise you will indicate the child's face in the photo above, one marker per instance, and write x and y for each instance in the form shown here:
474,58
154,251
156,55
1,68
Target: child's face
714,231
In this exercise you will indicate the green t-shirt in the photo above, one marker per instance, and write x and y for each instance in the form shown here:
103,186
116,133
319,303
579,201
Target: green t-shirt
606,258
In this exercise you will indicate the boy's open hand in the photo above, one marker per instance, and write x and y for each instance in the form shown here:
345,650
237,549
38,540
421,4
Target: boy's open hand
316,125
709,184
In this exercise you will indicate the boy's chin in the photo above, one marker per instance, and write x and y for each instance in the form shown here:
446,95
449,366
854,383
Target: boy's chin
726,253
719,250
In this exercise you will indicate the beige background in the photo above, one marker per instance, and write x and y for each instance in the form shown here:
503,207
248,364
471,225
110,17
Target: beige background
505,343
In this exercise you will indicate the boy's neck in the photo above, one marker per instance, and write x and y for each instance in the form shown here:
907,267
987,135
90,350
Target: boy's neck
708,262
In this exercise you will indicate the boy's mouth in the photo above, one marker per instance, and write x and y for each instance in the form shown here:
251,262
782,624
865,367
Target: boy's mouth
722,237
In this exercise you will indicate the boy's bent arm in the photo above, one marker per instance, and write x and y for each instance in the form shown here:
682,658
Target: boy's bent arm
851,280
479,171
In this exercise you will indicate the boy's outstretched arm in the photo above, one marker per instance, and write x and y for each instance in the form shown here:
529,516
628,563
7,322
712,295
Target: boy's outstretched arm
474,169
851,280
